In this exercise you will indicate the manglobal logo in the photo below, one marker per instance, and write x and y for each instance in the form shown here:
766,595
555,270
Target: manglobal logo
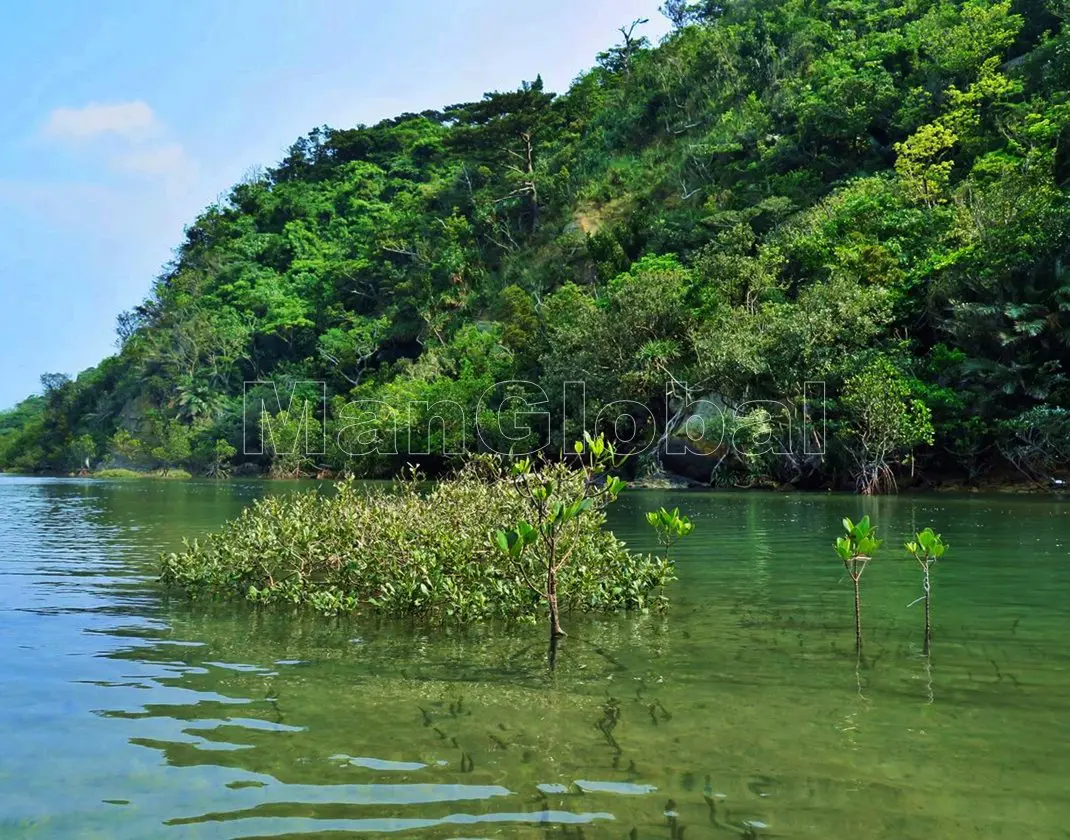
517,417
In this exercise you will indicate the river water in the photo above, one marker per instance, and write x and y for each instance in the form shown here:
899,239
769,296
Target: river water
739,712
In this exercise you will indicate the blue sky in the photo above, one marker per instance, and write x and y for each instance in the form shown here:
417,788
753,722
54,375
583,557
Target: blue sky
123,119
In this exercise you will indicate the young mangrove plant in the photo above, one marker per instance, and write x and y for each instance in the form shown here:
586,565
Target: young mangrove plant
926,547
539,544
856,548
670,526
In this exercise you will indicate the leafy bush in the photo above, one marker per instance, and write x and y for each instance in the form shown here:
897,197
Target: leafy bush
1037,442
884,423
120,472
411,550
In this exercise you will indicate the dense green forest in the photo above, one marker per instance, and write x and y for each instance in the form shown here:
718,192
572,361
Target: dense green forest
864,193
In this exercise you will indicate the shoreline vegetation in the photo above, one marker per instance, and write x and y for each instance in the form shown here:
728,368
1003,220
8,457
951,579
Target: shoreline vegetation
832,237
124,474
492,542
1009,484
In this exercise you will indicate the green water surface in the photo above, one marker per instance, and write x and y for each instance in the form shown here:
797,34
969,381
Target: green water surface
739,713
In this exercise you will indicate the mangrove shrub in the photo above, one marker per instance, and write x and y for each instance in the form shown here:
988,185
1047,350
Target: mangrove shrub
416,550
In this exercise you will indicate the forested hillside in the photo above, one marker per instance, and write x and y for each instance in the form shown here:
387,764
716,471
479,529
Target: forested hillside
866,193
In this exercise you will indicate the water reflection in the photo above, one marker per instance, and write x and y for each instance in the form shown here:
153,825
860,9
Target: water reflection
403,719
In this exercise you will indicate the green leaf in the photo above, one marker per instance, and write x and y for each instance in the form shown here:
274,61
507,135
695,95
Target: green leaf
868,546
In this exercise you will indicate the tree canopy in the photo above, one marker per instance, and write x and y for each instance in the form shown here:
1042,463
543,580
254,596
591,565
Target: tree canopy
780,192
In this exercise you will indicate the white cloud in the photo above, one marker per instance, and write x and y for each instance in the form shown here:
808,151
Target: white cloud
132,181
129,140
128,119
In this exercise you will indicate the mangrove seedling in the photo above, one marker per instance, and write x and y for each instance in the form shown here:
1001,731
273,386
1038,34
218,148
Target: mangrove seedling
926,548
856,548
670,526
541,543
